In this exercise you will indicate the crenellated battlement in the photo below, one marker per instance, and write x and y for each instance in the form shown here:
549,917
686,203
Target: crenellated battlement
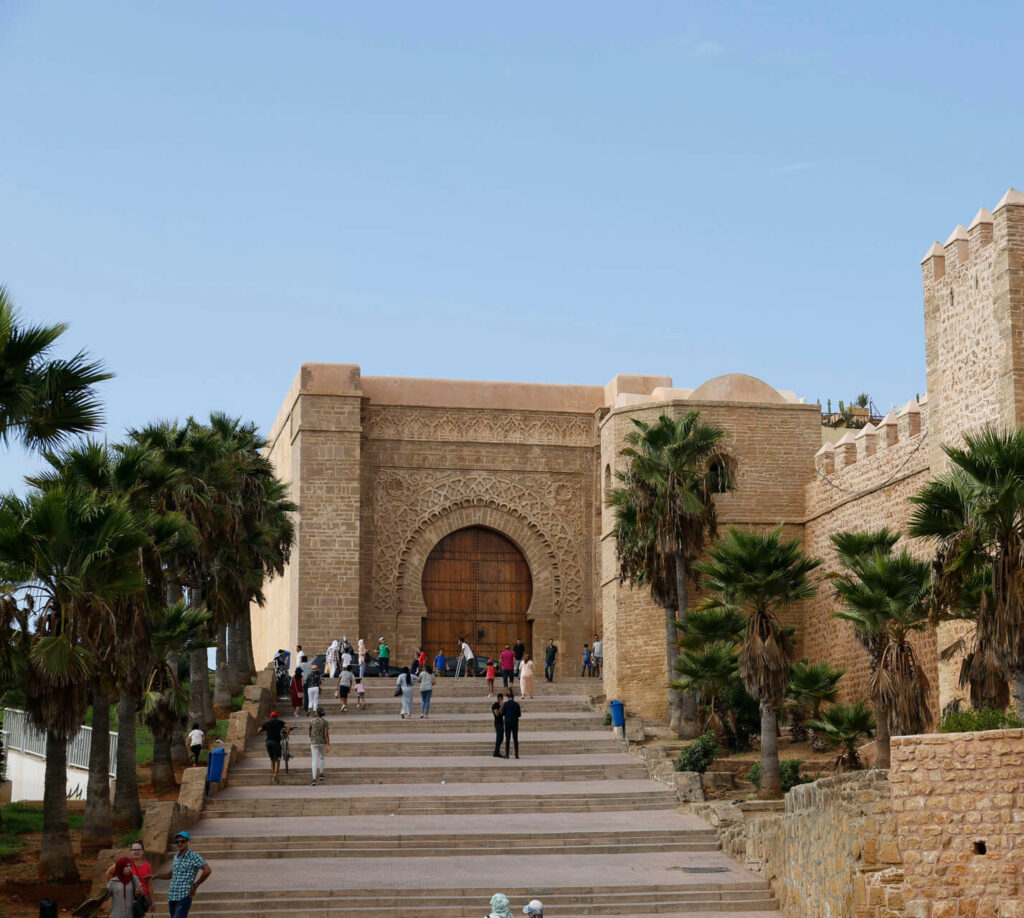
868,446
966,246
974,325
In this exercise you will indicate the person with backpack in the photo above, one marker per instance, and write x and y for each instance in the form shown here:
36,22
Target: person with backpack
312,685
125,889
345,682
141,869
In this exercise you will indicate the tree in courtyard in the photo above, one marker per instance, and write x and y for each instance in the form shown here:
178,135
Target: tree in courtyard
43,399
885,597
664,515
708,664
975,515
759,575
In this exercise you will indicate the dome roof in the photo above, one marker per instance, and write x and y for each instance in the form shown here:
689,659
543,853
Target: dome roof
736,387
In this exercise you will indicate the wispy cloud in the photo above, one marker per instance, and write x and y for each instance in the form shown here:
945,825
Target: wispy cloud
706,49
791,167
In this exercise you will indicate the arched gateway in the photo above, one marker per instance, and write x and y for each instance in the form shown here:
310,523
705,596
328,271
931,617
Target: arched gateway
477,584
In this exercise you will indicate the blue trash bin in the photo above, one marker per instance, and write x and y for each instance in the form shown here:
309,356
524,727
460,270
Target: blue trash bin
618,713
215,767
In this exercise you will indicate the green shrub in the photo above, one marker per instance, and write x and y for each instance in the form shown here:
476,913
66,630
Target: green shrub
699,755
788,768
975,720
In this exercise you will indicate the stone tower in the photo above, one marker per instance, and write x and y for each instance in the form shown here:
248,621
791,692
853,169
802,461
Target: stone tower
974,326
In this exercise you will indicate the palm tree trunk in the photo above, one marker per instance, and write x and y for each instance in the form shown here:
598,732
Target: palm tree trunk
56,858
221,691
199,698
771,776
682,706
247,655
176,739
236,662
883,744
127,809
163,769
97,831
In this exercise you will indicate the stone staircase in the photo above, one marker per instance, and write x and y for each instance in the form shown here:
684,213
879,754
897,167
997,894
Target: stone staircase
416,818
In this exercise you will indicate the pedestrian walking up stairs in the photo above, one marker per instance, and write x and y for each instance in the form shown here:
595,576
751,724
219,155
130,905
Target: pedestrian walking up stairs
416,817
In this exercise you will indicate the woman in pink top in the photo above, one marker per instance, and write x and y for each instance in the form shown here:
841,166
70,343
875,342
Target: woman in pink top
508,666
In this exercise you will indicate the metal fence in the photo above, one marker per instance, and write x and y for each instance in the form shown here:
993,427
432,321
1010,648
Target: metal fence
20,736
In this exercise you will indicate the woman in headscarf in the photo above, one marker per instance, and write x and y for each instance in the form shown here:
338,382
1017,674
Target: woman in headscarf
500,907
405,682
526,673
296,690
124,887
333,658
361,656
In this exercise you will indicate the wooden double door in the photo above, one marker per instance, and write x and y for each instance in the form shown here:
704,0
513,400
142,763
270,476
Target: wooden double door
477,585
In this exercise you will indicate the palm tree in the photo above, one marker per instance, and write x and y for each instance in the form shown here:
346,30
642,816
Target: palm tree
708,665
175,630
810,686
975,514
43,399
137,474
981,671
665,513
885,596
846,725
78,553
759,575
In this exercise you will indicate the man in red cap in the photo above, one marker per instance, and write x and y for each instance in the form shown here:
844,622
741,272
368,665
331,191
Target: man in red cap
274,728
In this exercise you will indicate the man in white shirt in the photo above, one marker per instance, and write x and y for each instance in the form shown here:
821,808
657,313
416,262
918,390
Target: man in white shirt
598,655
466,658
346,661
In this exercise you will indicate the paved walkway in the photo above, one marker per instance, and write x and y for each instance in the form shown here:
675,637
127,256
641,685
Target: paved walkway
615,847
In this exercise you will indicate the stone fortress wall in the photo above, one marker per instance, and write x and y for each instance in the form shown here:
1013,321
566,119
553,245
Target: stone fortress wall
384,467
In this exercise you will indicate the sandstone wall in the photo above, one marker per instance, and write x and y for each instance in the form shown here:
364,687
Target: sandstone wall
773,446
958,800
863,484
819,854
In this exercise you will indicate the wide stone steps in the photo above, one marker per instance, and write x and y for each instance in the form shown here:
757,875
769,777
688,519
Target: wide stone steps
466,902
299,773
439,704
481,722
399,845
531,742
482,805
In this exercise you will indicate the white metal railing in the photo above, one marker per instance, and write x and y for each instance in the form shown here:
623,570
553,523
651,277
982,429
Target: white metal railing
21,736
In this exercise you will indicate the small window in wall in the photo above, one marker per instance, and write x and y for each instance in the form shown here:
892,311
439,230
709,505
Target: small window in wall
719,474
607,481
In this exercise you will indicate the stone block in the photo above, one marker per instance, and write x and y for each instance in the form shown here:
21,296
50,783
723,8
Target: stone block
689,788
158,822
635,730
718,780
192,793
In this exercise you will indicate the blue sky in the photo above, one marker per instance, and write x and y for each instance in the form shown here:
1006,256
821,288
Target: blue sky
213,193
